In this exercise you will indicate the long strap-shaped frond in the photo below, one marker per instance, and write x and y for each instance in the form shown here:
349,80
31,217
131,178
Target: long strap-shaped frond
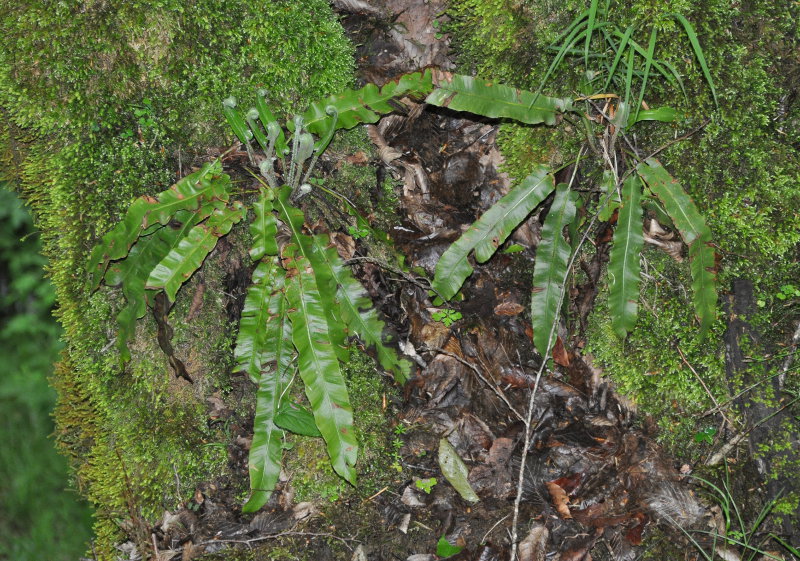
264,227
357,310
490,231
365,105
326,285
465,93
319,368
623,265
132,273
695,234
265,345
180,263
550,270
189,193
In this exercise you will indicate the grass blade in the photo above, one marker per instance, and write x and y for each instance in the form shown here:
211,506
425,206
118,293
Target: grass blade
698,52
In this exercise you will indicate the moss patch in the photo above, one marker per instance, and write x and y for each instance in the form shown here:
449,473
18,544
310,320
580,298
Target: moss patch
101,104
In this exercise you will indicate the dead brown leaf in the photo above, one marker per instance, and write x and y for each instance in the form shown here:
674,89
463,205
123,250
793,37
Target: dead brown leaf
534,546
508,309
560,354
560,500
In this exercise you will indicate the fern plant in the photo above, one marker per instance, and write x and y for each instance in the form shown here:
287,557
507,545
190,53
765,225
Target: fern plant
304,304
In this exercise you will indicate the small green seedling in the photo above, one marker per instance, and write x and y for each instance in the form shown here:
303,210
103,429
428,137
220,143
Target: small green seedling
445,549
426,485
787,291
447,317
514,248
705,435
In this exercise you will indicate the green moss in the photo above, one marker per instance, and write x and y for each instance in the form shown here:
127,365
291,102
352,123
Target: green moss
100,104
307,463
648,367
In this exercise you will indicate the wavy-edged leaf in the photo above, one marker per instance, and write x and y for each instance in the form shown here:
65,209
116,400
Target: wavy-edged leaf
702,262
264,348
133,271
319,368
366,105
254,346
189,193
465,93
263,228
609,201
357,310
695,234
550,269
623,265
326,285
677,203
490,231
184,260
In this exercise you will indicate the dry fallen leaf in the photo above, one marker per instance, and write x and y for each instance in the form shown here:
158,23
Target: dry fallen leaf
508,309
560,354
560,499
534,546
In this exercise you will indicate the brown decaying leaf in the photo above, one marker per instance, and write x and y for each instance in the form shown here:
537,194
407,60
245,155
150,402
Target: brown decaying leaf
559,499
634,535
360,158
509,309
560,354
345,245
534,546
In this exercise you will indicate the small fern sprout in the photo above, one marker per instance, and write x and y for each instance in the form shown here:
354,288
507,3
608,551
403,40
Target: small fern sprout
229,102
324,141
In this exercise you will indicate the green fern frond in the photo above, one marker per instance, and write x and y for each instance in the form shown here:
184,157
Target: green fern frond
181,262
357,311
264,349
319,368
550,269
465,93
623,265
147,214
490,231
695,233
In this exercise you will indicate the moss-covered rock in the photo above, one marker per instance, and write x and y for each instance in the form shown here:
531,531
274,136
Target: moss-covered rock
100,103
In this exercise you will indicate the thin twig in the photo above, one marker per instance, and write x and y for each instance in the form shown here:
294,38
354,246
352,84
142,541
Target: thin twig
496,524
705,387
539,372
283,535
733,442
480,375
421,282
787,364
